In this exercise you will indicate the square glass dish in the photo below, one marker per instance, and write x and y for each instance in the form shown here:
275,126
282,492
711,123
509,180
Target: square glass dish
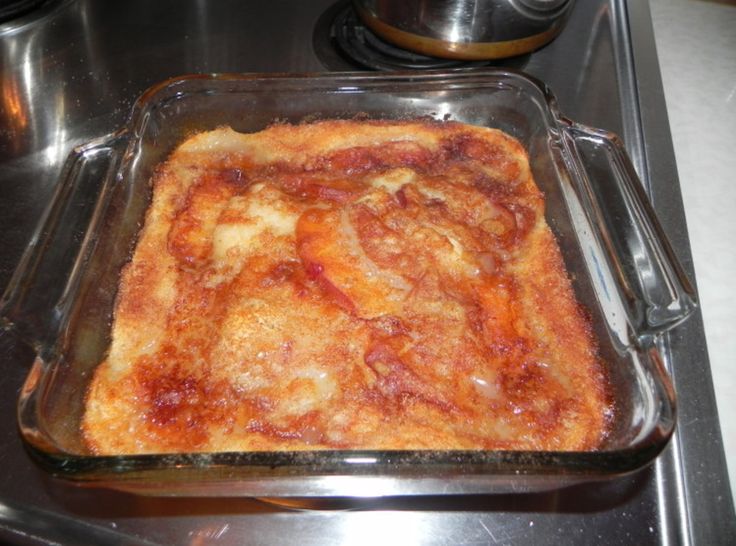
624,273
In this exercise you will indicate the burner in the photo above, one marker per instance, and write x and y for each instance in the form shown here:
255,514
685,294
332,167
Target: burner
15,8
343,42
364,47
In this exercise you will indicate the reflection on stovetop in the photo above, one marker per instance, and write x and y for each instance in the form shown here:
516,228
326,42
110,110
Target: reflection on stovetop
579,499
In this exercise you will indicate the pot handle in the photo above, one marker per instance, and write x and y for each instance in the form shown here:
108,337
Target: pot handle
640,265
33,305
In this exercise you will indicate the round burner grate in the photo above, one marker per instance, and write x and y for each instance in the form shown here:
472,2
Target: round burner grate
342,42
370,51
10,9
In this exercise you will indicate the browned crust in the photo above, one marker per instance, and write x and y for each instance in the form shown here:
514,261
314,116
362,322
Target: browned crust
344,284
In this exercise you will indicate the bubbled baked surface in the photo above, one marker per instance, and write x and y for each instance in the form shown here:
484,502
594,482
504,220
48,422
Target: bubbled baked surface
347,285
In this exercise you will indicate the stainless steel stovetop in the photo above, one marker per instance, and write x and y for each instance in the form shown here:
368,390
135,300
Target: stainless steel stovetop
71,71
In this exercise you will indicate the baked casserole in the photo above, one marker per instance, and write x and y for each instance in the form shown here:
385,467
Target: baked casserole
387,285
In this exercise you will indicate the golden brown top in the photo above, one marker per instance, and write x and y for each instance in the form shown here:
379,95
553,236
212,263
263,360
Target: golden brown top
347,285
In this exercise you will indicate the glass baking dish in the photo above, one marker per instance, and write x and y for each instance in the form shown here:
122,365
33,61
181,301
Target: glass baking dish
624,272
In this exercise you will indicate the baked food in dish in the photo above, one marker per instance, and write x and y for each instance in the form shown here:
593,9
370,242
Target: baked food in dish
347,285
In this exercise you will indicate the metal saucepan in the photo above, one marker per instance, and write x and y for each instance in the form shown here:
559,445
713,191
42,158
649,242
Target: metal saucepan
466,29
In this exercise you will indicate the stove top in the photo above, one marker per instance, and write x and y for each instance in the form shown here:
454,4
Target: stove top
71,71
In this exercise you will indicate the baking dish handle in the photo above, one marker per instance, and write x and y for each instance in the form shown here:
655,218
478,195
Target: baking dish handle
654,290
35,302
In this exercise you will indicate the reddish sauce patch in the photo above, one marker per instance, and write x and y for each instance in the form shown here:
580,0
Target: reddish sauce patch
401,198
